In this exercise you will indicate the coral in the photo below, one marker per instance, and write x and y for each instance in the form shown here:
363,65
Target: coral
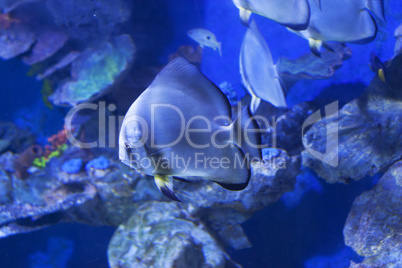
65,61
58,144
25,160
98,163
47,42
95,71
72,166
15,40
84,19
6,20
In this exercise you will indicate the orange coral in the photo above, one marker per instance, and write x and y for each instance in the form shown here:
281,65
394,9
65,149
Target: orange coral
56,141
6,21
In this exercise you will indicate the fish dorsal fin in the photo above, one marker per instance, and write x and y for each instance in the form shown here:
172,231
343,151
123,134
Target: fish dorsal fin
246,134
183,77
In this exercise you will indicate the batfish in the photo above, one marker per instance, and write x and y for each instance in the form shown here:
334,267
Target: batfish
258,72
294,14
180,126
349,21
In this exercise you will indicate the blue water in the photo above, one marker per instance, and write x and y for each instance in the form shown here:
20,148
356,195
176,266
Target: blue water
281,236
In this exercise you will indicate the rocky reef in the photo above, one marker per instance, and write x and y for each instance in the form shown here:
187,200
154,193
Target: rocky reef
374,225
165,234
368,130
87,51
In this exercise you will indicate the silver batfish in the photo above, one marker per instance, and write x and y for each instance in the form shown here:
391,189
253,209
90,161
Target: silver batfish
180,126
294,14
258,71
343,21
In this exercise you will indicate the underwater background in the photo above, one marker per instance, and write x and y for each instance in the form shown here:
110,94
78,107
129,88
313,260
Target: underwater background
73,207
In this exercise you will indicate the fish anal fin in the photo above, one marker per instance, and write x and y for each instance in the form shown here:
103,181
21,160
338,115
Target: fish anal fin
376,7
165,185
244,16
181,179
234,187
328,47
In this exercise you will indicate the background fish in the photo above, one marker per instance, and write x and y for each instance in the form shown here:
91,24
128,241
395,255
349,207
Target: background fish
182,86
294,14
398,37
205,38
342,21
258,72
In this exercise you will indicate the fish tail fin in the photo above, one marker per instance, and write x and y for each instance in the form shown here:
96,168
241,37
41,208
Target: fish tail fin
377,8
315,46
246,134
244,16
165,185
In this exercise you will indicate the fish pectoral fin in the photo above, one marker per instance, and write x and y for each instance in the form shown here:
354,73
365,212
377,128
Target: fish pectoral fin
165,185
244,16
315,46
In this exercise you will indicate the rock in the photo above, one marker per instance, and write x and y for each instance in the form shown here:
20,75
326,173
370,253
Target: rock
38,204
368,130
164,234
5,188
374,224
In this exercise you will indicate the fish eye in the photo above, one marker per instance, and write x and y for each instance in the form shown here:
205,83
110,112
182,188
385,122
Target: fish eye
208,37
127,145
